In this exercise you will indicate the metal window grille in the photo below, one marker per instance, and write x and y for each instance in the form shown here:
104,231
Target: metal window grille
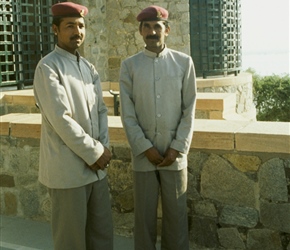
25,37
215,29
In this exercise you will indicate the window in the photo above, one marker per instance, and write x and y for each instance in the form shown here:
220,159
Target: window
25,37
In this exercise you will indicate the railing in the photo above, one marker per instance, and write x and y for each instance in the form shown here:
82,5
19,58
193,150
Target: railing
25,32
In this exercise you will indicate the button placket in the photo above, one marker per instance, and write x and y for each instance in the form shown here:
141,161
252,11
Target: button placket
157,95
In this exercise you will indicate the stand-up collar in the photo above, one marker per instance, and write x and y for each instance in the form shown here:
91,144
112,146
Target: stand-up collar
153,54
67,54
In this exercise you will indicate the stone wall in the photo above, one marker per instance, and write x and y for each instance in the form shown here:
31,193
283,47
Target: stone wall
238,192
112,31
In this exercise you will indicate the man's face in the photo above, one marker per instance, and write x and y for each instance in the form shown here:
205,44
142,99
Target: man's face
70,33
154,33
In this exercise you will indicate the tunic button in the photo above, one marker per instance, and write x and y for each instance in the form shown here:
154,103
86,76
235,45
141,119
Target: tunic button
158,96
159,115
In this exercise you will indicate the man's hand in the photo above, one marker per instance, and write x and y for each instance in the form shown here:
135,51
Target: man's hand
153,156
169,157
103,161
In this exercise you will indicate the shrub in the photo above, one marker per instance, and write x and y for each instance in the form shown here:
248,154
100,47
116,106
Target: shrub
271,97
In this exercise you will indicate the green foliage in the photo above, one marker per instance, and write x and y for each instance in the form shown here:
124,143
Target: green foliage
271,97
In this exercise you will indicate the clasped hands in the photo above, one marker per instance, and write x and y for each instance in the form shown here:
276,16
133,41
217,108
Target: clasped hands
154,157
103,161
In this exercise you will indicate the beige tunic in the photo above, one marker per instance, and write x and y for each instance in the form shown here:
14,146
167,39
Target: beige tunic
74,127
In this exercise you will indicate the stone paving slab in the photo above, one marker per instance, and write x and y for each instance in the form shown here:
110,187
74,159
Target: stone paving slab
24,234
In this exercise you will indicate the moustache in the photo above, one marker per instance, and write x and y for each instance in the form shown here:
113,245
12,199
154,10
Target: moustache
75,37
152,37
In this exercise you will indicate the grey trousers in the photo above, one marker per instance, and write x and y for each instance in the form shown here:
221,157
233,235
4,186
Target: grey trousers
173,186
81,217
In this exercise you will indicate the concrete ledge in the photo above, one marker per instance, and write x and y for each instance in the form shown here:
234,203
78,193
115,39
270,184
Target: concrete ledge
264,137
211,105
21,125
215,134
215,81
224,81
116,131
24,97
272,137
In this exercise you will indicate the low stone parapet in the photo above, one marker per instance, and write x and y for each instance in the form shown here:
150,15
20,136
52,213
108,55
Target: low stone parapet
209,105
238,180
244,136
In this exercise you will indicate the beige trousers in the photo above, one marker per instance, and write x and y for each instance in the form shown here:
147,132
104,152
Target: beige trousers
172,185
81,217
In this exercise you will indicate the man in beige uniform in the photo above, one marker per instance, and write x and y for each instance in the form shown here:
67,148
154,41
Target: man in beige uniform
158,96
74,142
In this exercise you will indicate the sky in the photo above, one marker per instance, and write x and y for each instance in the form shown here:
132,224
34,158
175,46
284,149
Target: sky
265,36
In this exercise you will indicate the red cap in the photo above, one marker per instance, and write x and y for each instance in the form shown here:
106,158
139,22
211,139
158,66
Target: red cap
153,13
68,9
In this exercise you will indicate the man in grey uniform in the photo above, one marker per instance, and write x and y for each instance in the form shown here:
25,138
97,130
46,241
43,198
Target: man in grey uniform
158,97
74,142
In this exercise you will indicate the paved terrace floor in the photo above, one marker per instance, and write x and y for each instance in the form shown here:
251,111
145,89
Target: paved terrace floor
24,234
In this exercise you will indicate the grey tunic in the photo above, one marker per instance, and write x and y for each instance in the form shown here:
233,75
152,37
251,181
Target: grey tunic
158,97
74,127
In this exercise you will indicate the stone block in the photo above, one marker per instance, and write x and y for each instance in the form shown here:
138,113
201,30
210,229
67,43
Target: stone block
204,232
195,161
222,183
10,203
120,176
3,109
216,115
241,79
7,180
21,125
32,142
108,99
106,86
272,181
215,134
275,216
223,102
27,180
27,126
23,97
264,137
230,238
122,152
210,101
193,187
17,109
239,216
114,62
116,131
19,160
205,208
244,163
123,223
45,208
263,239
5,121
124,201
29,203
115,86
201,114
